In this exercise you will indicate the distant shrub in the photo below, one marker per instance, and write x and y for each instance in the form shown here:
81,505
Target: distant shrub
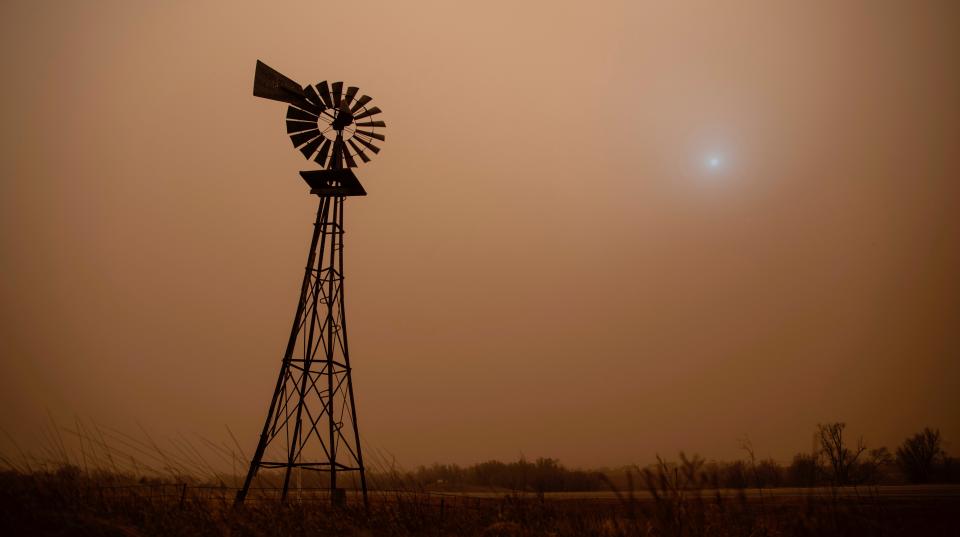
876,467
768,474
543,475
804,471
921,456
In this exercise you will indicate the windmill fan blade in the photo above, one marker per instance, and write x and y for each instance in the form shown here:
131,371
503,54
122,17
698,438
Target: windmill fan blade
313,97
305,105
372,135
300,126
309,107
367,113
351,92
360,102
372,124
300,115
311,146
346,155
269,83
337,90
369,146
359,151
304,137
322,155
325,93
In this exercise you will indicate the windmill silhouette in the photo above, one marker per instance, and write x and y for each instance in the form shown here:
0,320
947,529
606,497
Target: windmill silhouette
311,423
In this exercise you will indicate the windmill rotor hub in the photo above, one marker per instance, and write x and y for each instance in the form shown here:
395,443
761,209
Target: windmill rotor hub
336,125
342,120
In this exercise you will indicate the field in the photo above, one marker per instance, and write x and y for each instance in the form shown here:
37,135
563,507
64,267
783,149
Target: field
116,485
68,502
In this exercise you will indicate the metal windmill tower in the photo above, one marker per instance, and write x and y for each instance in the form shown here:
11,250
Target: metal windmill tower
312,420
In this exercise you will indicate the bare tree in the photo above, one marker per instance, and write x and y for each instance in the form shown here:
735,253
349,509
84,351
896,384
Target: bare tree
842,459
919,455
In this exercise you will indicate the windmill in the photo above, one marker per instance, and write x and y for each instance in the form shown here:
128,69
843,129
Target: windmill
311,423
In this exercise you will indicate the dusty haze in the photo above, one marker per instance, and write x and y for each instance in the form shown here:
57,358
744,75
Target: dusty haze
546,263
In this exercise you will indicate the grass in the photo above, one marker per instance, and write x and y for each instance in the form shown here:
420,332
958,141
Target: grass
120,486
68,501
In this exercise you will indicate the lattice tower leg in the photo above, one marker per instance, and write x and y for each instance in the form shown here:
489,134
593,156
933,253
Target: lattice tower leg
312,420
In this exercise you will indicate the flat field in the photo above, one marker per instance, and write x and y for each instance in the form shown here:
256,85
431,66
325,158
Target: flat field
52,504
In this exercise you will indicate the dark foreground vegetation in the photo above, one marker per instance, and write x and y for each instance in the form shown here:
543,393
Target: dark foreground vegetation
844,490
675,502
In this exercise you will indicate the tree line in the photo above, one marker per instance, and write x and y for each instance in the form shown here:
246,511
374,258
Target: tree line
836,460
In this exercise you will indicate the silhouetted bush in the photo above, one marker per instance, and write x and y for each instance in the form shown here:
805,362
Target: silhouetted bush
921,456
544,475
768,474
876,467
804,471
733,475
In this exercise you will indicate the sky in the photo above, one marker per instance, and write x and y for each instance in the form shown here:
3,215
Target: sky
597,231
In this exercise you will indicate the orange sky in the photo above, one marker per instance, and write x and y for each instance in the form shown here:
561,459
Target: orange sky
545,264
